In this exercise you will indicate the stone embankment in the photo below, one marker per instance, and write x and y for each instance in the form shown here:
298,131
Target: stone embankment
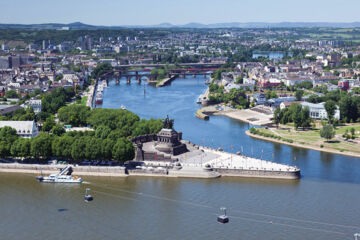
237,165
166,81
114,171
202,115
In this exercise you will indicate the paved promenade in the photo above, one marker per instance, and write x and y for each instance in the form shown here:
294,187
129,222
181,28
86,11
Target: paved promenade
202,156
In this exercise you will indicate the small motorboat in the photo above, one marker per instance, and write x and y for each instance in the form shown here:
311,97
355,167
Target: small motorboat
123,107
63,177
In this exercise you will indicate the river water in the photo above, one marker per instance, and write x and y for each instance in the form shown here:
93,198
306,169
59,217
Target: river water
323,204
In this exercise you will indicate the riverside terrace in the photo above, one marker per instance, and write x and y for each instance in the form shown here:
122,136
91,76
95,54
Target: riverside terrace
199,158
184,159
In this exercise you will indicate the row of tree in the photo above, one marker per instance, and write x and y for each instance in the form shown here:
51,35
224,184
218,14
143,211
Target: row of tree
108,141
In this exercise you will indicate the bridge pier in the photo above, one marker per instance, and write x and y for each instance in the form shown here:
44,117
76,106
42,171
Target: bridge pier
205,75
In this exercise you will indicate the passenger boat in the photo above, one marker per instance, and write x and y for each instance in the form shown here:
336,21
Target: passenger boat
63,177
98,98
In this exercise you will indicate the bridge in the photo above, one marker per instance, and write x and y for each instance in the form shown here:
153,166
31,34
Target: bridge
210,64
139,74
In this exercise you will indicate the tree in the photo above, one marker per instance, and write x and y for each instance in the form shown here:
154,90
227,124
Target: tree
330,107
21,148
123,150
102,131
101,69
41,146
62,146
106,149
348,109
58,129
277,116
299,94
327,132
295,109
48,124
305,117
352,130
75,114
58,98
77,149
11,94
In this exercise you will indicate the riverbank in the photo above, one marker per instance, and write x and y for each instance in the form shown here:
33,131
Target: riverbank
305,145
250,116
114,171
51,169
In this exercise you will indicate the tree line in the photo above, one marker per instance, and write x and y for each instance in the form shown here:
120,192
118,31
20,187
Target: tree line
108,138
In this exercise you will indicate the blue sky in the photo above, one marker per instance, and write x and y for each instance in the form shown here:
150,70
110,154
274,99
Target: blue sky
147,12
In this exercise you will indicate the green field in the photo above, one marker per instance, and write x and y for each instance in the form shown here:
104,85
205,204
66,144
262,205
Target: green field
312,137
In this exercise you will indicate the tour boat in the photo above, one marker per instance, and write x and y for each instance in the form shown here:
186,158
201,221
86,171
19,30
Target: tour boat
63,177
98,98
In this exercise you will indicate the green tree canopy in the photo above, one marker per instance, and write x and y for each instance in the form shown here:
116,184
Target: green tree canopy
327,132
330,107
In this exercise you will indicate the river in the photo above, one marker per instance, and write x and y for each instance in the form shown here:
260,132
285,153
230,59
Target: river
323,204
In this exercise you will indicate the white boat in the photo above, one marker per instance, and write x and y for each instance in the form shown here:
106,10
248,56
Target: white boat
63,177
123,107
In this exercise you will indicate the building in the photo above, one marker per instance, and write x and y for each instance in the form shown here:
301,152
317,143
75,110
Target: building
2,91
26,129
4,62
318,111
344,85
5,109
14,61
35,104
259,98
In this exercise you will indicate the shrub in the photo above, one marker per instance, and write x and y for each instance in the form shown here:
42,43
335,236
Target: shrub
321,145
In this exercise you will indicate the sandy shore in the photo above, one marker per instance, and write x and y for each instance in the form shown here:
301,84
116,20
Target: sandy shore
327,150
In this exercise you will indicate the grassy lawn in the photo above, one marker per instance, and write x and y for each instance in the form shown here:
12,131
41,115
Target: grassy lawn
83,101
312,137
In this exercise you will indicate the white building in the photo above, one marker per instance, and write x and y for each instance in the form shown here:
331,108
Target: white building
26,129
36,105
318,110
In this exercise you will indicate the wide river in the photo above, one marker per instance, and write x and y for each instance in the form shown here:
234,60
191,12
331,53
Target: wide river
323,204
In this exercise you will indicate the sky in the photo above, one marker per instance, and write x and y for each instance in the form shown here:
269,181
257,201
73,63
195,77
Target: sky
149,12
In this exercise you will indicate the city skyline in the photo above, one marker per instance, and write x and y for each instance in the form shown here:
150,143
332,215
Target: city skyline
118,13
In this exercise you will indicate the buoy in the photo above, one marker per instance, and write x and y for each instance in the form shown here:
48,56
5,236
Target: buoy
88,197
223,218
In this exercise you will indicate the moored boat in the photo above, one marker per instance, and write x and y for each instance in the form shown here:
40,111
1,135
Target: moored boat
63,177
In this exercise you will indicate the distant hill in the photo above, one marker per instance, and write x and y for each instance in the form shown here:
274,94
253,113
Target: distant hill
82,26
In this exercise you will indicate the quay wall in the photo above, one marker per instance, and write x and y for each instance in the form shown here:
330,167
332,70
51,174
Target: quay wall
258,173
166,81
77,170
